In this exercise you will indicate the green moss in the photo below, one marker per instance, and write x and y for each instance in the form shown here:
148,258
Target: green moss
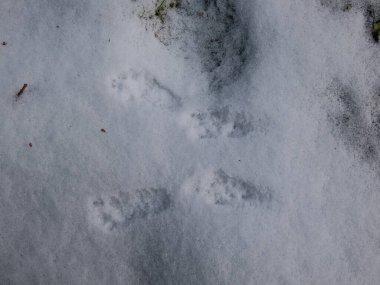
159,11
347,7
162,7
376,31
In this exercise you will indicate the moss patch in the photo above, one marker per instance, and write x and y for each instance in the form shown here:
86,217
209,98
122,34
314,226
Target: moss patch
376,31
159,11
162,6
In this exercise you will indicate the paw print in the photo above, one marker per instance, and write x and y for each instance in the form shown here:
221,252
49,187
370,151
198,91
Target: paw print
216,122
142,87
114,211
216,187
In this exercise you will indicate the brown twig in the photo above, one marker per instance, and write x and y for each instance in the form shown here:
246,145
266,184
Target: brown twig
22,90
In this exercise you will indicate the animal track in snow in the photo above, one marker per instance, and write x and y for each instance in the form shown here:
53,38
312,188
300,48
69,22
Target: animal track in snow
216,187
218,121
139,86
355,119
109,212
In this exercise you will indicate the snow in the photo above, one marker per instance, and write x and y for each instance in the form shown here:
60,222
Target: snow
233,142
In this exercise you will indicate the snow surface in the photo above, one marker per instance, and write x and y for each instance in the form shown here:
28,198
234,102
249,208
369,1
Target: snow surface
230,142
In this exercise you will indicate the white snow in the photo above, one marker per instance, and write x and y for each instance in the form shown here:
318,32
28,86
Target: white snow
239,143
